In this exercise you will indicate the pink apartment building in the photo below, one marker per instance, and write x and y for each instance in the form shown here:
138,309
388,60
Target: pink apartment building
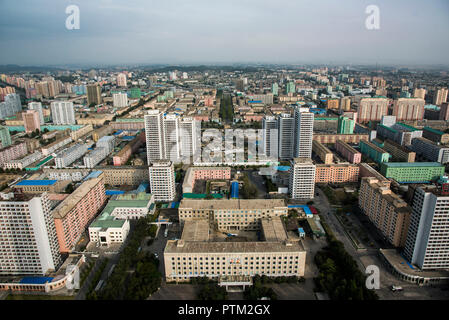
336,173
348,152
74,213
12,152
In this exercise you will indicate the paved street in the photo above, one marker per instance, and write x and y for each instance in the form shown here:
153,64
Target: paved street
370,256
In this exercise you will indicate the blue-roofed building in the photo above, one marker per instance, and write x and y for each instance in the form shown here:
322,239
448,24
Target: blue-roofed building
35,280
234,190
93,174
40,186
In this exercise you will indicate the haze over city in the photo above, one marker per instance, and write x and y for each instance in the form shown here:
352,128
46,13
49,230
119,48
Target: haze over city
174,32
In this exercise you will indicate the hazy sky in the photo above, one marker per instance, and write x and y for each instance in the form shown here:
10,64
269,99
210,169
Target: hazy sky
33,32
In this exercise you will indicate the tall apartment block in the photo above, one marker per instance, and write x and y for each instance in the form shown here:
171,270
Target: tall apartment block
372,109
10,106
5,137
190,135
38,107
62,112
172,137
409,108
345,125
303,132
162,180
385,209
419,93
121,80
440,96
74,213
275,89
31,121
444,112
302,179
426,245
120,100
286,127
28,240
93,94
270,146
154,132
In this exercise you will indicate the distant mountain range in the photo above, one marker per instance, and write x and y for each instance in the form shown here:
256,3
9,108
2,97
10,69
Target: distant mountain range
16,68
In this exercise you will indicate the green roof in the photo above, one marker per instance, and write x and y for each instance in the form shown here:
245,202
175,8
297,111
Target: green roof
407,126
388,128
130,200
434,131
411,164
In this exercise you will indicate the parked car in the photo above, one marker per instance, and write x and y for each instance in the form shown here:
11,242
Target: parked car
396,288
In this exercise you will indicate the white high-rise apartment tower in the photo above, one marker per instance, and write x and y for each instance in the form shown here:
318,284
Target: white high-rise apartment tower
121,80
154,131
62,112
427,244
304,132
302,179
190,132
162,180
120,100
28,243
38,107
172,137
270,137
286,125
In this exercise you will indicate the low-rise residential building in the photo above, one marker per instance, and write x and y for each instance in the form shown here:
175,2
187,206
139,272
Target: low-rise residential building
204,173
73,175
430,150
70,155
412,172
12,152
124,175
41,186
95,157
348,152
336,173
75,135
52,147
374,152
322,152
348,138
435,135
23,162
399,152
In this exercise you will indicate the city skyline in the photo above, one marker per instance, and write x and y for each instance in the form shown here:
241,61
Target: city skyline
174,32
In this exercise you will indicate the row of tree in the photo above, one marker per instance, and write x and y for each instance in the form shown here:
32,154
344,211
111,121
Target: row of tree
339,275
136,274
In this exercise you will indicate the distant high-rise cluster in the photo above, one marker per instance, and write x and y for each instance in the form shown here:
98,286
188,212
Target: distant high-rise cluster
62,112
170,137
